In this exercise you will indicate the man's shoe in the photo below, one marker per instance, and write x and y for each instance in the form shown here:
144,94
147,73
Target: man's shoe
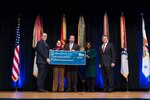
68,90
92,90
110,90
88,90
75,90
105,90
45,90
40,90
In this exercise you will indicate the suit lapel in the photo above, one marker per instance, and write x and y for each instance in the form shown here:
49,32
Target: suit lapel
68,48
101,50
105,48
73,46
46,45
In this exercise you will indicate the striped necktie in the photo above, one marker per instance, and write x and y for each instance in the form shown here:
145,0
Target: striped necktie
104,47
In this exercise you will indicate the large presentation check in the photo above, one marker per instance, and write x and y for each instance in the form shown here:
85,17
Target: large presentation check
63,57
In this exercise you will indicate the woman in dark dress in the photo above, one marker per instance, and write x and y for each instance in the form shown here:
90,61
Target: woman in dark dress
90,69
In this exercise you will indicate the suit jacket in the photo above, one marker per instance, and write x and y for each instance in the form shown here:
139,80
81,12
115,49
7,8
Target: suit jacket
42,52
75,47
108,56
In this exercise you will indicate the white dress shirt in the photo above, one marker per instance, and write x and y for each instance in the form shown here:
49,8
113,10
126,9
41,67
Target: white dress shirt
104,46
71,46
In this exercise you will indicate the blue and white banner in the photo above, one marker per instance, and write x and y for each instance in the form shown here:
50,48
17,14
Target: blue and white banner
146,57
62,57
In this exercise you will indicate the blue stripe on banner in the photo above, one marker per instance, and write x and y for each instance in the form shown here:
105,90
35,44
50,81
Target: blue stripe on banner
143,79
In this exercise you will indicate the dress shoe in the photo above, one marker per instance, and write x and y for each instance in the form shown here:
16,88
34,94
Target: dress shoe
61,91
68,90
75,90
45,90
105,90
92,90
110,90
40,90
88,90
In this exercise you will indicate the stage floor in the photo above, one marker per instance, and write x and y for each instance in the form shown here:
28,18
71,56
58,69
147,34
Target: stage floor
51,95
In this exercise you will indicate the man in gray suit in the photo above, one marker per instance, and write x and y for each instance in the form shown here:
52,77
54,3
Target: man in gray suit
107,63
72,71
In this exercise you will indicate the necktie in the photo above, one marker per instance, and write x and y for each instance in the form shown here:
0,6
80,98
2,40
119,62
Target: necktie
103,47
45,43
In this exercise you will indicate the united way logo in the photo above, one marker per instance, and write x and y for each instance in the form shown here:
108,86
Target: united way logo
80,54
52,53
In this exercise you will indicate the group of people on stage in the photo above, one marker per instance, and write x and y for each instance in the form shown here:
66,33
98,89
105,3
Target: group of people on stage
107,62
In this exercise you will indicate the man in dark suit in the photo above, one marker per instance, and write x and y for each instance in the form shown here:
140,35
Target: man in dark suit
107,62
71,71
42,61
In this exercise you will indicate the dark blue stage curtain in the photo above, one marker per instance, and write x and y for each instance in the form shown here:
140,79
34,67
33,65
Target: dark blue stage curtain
96,43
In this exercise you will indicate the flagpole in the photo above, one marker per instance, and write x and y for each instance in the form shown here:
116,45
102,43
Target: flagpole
83,85
127,83
148,84
83,81
16,86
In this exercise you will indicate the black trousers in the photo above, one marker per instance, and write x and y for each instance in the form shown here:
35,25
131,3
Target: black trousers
42,71
72,75
91,84
108,77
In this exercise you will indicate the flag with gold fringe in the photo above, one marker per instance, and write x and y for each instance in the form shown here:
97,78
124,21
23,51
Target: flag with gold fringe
81,33
145,55
106,25
37,31
81,43
63,31
124,55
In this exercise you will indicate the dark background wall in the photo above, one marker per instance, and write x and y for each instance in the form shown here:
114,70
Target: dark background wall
51,12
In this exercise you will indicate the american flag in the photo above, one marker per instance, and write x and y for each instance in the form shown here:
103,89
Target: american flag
16,58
